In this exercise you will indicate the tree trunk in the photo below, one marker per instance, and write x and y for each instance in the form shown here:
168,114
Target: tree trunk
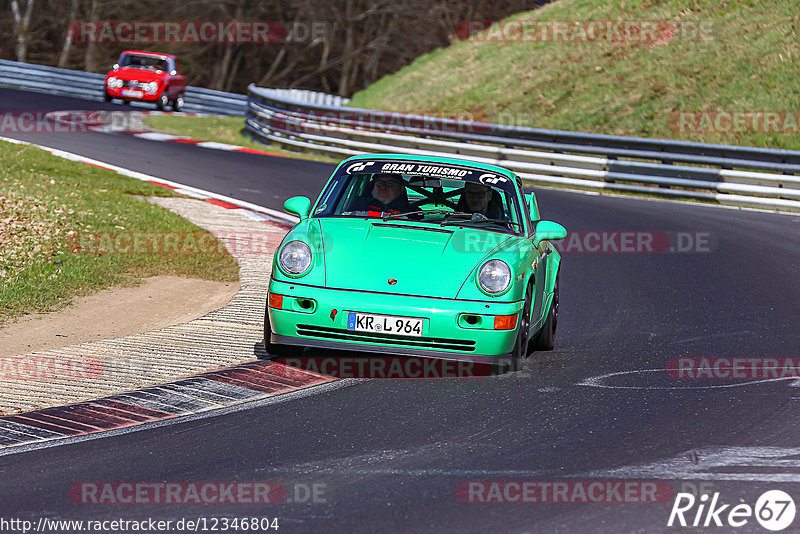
349,45
222,72
89,60
323,62
22,24
64,57
234,70
225,66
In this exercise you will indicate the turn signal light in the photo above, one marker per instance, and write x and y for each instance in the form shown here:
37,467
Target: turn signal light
275,301
505,322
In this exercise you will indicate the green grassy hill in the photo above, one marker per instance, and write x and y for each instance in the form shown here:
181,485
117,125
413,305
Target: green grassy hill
707,55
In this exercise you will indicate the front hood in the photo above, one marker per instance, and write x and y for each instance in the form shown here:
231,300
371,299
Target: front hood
426,260
141,75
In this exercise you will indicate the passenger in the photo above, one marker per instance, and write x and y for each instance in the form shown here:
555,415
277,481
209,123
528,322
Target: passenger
387,195
478,198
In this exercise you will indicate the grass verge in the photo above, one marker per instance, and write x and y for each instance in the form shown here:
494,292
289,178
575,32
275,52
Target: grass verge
222,130
713,55
50,207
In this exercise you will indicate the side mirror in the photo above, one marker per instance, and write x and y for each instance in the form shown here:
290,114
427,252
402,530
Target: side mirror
548,230
115,66
173,72
300,206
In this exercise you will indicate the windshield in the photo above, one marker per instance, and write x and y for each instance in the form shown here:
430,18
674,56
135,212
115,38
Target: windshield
142,62
441,194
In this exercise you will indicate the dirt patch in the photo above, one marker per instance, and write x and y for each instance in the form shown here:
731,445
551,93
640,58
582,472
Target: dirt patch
160,301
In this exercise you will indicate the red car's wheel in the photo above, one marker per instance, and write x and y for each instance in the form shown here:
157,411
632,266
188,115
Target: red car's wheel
162,101
177,104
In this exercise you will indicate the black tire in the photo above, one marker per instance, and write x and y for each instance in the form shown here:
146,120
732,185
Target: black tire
107,97
162,101
523,332
177,104
546,339
274,349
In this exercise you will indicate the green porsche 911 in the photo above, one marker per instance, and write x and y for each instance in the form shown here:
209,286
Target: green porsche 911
413,255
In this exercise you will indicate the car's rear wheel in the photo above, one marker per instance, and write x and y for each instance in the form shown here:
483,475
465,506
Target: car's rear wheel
274,349
546,339
523,332
177,104
162,101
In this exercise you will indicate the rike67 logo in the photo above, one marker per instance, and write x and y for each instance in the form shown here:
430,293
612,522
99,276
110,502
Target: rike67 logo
774,510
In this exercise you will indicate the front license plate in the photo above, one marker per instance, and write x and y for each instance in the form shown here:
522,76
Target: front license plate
132,92
384,324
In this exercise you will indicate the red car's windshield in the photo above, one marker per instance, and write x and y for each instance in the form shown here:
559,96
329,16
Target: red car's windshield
142,62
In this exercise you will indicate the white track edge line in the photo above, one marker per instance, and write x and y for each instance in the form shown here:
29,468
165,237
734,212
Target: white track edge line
282,217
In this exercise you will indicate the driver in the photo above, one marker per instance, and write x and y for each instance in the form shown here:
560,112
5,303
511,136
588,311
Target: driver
479,198
387,195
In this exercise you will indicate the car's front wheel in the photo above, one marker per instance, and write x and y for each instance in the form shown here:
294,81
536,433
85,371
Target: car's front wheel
546,339
275,349
107,97
162,101
523,332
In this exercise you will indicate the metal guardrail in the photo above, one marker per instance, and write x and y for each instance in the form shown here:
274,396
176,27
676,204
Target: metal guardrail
308,97
729,175
88,85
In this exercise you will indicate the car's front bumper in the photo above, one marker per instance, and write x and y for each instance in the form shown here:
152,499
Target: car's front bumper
143,97
317,317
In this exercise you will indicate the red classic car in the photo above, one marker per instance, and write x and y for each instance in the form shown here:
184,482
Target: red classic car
146,77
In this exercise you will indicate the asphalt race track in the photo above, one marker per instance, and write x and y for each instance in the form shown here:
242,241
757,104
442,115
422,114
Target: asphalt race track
392,453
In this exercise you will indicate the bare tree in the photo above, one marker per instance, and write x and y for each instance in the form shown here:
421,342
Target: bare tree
22,25
73,15
337,46
89,59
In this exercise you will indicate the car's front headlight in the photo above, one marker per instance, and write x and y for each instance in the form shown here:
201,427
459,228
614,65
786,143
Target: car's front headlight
114,82
295,257
151,87
494,276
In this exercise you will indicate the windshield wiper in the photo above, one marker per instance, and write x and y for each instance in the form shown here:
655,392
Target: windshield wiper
479,218
422,212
